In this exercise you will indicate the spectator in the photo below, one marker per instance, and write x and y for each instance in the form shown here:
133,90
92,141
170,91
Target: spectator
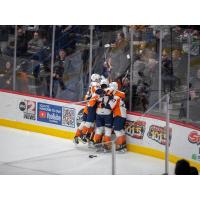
6,76
126,89
61,58
62,55
21,44
22,78
3,37
120,43
106,72
182,167
85,55
194,171
46,78
58,72
143,94
139,67
167,73
35,44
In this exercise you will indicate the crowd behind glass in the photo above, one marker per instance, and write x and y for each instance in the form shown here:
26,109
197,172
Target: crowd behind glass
31,57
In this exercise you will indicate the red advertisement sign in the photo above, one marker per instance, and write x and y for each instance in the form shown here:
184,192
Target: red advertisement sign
158,134
135,129
194,137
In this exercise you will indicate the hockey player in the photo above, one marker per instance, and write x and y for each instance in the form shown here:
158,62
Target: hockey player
87,124
119,113
95,83
104,116
88,127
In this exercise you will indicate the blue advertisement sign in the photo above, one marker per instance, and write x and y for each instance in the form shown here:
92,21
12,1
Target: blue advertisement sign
49,113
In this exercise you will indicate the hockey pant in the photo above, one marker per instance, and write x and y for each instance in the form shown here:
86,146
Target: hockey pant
80,128
88,127
118,126
103,126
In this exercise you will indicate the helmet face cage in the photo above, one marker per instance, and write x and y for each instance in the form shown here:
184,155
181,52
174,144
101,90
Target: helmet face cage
104,86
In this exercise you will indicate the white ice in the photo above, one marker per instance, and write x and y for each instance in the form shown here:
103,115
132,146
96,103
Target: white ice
25,152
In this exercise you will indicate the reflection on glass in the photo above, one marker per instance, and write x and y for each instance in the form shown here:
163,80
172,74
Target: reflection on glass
6,57
111,58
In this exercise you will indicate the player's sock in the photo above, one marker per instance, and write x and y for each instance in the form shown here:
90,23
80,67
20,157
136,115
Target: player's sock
78,132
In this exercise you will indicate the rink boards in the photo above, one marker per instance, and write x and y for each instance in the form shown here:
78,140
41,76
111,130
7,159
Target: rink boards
60,118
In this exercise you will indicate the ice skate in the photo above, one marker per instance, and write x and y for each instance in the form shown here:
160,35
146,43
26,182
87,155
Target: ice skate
76,140
121,149
83,139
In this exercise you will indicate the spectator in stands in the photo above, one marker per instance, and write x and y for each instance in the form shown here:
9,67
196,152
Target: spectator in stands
61,58
66,38
106,71
182,167
120,43
46,78
143,94
194,171
62,55
167,73
126,89
6,76
85,54
21,44
58,72
4,33
35,45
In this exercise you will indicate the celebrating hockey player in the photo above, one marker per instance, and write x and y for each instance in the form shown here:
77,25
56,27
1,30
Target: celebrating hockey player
119,113
104,116
87,125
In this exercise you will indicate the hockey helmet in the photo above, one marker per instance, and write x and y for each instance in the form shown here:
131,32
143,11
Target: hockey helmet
104,83
114,85
95,78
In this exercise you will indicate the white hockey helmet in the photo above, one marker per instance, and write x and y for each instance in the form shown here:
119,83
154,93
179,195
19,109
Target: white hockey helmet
95,78
104,82
114,85
102,77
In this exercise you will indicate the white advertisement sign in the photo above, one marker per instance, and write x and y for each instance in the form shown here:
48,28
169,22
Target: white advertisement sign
143,131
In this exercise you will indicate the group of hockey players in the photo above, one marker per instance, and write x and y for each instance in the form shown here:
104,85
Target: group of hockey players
104,116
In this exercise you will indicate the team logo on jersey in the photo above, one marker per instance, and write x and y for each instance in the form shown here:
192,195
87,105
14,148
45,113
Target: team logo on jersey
194,137
79,117
158,134
135,129
68,117
28,108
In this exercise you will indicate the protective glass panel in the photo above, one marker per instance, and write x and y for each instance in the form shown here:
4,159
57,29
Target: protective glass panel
34,44
7,34
145,67
70,70
194,78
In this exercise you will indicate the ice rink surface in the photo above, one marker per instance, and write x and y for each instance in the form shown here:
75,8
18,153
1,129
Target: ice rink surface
24,152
